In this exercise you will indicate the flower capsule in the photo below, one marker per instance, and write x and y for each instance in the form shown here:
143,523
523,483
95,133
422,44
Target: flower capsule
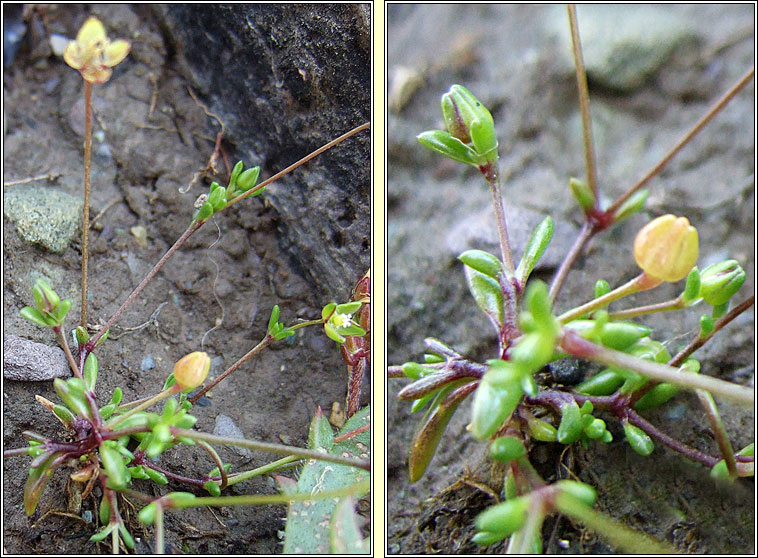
192,369
666,248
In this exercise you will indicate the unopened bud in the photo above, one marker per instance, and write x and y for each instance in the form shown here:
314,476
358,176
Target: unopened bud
468,120
719,282
666,248
192,369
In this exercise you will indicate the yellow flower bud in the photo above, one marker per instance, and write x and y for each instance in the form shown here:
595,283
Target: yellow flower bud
666,248
93,54
192,369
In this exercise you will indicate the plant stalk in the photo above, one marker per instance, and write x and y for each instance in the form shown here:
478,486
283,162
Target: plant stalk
85,216
640,283
584,102
273,448
576,345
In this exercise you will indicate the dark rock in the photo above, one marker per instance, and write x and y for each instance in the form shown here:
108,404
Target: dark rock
286,79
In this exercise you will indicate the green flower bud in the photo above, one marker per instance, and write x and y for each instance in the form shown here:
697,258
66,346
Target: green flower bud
469,121
217,198
507,448
583,194
719,282
235,174
248,179
45,298
81,335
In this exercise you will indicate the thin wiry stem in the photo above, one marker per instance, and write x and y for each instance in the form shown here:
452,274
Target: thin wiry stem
85,216
713,111
584,102
698,342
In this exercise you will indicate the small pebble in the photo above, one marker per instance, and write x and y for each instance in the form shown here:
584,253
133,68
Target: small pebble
225,427
87,516
26,361
148,363
203,402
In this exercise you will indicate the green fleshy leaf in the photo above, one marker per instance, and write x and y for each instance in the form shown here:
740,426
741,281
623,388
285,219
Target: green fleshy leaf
429,433
570,427
638,439
583,194
274,319
213,488
90,371
328,310
487,294
483,262
505,518
452,148
36,317
349,307
631,206
36,482
507,449
498,394
535,248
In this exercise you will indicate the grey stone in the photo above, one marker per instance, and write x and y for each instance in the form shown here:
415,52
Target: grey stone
44,216
225,426
28,361
624,45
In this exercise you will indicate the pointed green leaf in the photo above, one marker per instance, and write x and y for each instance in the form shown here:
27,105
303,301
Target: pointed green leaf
452,148
482,261
487,294
535,247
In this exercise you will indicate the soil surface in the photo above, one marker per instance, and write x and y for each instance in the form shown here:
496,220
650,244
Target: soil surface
283,83
516,60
